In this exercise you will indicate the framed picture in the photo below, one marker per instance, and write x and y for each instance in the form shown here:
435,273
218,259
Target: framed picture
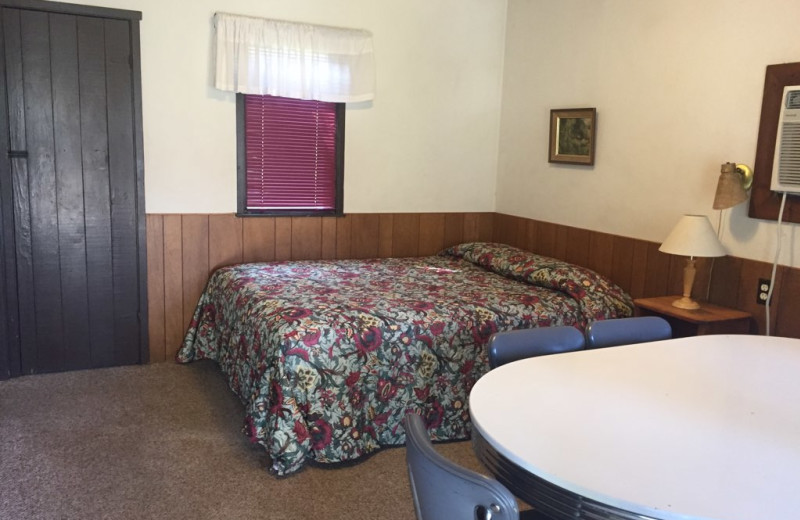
572,132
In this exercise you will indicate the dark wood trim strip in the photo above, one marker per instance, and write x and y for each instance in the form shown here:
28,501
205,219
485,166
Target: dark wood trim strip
76,9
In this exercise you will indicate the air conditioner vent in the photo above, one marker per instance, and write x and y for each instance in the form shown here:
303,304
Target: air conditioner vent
786,163
789,158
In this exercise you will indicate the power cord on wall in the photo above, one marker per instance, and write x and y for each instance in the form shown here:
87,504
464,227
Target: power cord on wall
775,262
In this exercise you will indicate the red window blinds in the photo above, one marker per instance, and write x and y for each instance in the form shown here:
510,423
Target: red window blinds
290,149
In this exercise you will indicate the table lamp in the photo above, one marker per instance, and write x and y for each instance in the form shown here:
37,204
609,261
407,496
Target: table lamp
692,236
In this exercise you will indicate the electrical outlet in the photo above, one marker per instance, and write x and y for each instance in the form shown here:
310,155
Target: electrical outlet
763,291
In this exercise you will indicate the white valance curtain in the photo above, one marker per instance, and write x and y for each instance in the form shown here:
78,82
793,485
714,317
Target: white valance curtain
296,60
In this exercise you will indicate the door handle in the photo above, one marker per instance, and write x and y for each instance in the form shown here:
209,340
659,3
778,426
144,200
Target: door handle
17,154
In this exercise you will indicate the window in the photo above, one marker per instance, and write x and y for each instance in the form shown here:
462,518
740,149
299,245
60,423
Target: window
290,156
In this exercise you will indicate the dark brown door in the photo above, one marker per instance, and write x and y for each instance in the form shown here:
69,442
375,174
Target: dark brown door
71,193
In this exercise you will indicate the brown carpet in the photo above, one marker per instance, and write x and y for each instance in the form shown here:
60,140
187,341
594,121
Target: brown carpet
164,441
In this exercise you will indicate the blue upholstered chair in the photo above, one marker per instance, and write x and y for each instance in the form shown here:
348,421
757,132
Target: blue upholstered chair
444,490
627,331
512,345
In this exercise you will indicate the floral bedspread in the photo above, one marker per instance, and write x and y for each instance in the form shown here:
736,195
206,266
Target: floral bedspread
329,356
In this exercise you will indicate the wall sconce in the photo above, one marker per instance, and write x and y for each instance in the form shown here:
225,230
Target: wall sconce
734,181
692,236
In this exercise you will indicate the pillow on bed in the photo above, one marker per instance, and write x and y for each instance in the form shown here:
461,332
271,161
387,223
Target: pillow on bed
599,297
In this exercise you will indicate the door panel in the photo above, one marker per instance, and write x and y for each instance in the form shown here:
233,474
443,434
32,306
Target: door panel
122,177
76,198
94,135
69,192
41,187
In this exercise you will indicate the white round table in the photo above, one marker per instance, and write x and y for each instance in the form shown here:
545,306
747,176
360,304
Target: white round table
692,428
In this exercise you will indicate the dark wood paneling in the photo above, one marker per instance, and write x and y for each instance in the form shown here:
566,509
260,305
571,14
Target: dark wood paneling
578,242
258,239
601,253
431,233
283,239
155,287
637,265
453,229
639,268
306,238
788,324
194,243
405,235
328,248
547,239
343,236
657,272
365,230
621,272
385,235
224,241
505,229
173,284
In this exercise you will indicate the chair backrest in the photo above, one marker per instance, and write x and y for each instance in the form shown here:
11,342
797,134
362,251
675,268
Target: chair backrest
443,489
627,331
508,346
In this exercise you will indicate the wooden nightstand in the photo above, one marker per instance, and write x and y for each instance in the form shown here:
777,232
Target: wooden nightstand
708,319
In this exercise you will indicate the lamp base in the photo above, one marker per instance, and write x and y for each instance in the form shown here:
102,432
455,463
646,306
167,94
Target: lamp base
686,303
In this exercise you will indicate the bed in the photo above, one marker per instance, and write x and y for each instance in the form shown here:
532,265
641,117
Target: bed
328,356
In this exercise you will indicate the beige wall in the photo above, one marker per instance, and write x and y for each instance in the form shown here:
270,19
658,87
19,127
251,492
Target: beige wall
677,85
428,142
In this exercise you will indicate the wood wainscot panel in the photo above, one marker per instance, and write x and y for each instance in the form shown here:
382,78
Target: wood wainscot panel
365,237
431,233
787,323
258,239
453,229
642,270
174,328
405,235
184,249
577,246
601,253
194,241
343,237
385,235
328,249
155,287
306,238
225,246
283,239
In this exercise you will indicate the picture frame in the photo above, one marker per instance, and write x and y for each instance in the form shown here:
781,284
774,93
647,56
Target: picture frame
572,135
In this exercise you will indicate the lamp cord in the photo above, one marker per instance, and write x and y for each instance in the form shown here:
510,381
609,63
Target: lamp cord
713,260
775,262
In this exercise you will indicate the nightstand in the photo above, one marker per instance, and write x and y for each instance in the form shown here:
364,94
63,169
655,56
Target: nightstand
708,319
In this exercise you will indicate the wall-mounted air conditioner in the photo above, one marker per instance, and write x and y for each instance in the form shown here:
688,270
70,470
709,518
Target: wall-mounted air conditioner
786,165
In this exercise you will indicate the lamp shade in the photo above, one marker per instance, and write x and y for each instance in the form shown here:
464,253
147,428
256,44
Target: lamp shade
734,179
693,236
